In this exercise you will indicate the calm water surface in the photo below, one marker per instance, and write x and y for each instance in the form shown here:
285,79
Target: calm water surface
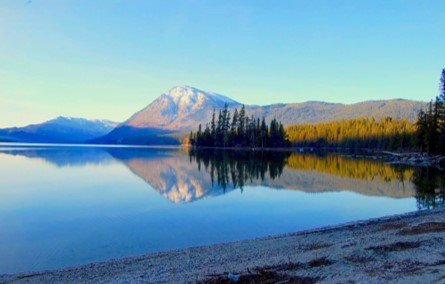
64,206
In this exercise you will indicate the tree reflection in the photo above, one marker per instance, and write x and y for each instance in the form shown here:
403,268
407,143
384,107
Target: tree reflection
357,168
430,188
236,168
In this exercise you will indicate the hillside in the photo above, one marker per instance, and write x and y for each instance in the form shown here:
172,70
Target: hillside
183,108
58,130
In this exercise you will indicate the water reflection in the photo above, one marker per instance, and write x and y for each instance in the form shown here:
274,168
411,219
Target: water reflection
306,172
185,176
430,185
239,167
62,156
62,206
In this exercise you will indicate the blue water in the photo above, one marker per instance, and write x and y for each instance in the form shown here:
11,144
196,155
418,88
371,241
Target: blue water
64,206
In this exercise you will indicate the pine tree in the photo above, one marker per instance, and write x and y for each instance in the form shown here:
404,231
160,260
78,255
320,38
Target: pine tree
199,136
441,108
213,130
240,130
264,133
241,127
233,128
225,125
191,139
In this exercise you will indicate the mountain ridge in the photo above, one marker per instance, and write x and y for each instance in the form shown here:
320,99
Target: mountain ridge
62,129
183,108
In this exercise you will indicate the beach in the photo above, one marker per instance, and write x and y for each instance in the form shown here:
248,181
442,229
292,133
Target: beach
408,248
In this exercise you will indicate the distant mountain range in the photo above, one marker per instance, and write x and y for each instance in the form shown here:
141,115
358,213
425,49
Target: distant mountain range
58,130
183,108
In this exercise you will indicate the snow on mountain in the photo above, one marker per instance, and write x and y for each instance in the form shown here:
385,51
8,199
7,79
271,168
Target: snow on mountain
182,107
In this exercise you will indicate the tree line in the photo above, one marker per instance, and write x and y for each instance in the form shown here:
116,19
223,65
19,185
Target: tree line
239,130
385,134
431,123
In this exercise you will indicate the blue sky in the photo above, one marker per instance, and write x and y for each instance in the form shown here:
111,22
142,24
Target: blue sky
109,59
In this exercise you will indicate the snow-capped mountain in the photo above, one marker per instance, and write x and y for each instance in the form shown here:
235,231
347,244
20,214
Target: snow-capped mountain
59,130
183,108
180,108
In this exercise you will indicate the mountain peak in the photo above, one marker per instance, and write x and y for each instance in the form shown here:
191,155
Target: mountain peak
182,107
187,95
182,90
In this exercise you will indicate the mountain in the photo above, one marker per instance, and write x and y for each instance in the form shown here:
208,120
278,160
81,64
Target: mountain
315,112
180,108
183,108
178,111
58,130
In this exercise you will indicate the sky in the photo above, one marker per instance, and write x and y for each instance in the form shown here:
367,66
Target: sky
110,58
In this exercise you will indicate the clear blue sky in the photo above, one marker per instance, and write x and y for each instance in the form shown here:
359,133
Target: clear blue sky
110,58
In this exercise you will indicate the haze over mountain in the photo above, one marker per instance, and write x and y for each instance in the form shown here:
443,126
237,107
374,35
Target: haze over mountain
183,108
59,130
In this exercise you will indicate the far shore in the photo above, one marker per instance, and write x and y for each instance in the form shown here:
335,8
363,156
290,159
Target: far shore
407,158
407,248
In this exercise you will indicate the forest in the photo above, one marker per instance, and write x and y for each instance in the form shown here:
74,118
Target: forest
240,131
431,123
386,134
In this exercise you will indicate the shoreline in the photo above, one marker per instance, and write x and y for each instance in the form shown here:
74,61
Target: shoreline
397,249
413,159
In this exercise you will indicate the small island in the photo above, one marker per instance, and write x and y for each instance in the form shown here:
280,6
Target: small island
239,131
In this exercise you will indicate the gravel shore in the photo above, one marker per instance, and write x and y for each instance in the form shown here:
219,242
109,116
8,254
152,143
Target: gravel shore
407,248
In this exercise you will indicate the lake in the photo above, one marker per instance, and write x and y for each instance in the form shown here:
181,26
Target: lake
62,206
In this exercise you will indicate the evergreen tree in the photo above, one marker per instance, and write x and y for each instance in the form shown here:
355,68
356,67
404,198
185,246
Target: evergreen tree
441,108
199,136
361,132
233,128
213,130
240,131
431,124
219,130
264,133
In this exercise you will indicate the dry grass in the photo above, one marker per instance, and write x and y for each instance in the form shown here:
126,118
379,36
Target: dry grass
314,246
265,276
358,259
390,226
321,261
398,246
271,274
429,227
406,267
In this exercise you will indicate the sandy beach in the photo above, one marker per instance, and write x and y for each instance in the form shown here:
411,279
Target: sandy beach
408,248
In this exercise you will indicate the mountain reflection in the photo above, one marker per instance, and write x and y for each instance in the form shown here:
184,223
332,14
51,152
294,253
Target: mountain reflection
305,172
62,156
183,175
